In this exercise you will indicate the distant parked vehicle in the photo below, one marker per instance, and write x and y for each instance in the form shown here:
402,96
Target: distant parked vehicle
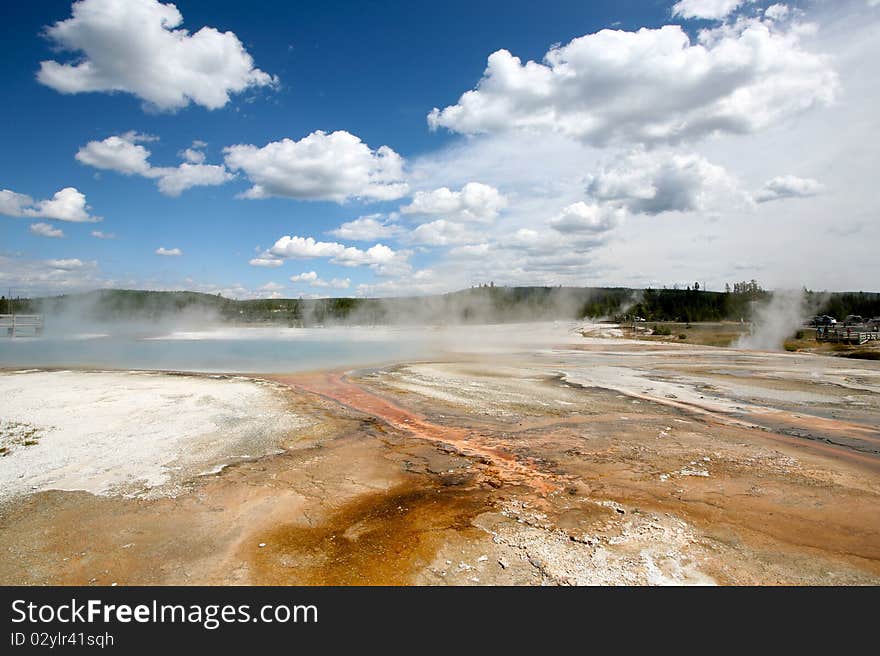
853,320
823,320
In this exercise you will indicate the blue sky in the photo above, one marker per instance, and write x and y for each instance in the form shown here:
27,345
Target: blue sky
564,173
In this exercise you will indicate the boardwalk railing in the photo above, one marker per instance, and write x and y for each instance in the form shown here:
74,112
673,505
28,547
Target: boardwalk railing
21,324
846,335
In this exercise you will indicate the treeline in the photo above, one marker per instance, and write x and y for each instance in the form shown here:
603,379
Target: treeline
689,305
487,304
839,305
15,305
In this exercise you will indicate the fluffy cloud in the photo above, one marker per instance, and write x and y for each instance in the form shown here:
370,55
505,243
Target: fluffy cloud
442,233
305,248
98,234
649,86
41,277
474,202
307,276
193,155
169,252
582,217
46,230
787,186
266,260
380,258
777,12
176,180
422,281
549,243
366,228
314,280
66,265
132,46
125,154
708,9
122,154
651,182
68,204
320,166
471,251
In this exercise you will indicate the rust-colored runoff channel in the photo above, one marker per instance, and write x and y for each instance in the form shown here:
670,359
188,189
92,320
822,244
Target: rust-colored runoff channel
336,387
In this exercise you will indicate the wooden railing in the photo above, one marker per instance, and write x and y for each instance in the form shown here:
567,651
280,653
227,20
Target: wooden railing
846,335
13,324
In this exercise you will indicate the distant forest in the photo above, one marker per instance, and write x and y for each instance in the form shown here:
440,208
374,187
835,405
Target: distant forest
483,304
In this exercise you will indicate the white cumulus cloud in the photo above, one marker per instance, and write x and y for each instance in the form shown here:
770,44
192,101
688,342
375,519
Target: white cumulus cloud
125,154
366,228
382,259
169,252
474,202
193,155
266,260
320,166
173,181
471,251
777,12
306,276
68,204
138,47
584,217
651,182
122,153
312,279
46,230
66,265
708,9
787,186
649,86
442,233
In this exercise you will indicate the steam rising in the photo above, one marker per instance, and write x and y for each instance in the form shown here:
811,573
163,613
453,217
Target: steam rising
775,321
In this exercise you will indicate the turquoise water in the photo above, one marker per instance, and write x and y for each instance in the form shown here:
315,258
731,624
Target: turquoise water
245,352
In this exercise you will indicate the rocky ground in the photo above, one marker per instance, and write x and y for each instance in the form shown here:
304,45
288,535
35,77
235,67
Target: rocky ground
592,461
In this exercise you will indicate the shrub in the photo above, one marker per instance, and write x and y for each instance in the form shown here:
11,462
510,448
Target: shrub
682,336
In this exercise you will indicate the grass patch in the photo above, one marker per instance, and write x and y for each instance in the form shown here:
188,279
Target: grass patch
14,435
705,334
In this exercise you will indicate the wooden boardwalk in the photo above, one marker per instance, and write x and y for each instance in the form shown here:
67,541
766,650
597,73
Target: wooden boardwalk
854,335
12,325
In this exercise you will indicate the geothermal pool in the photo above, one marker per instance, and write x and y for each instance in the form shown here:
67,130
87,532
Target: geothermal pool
268,349
246,350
